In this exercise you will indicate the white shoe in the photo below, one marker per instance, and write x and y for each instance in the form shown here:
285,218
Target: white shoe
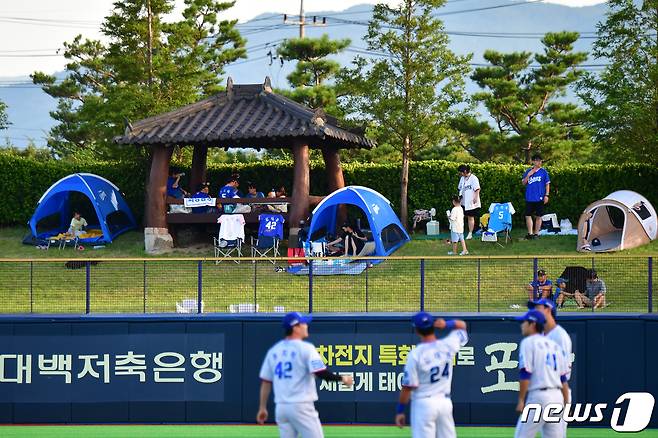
463,253
469,236
451,253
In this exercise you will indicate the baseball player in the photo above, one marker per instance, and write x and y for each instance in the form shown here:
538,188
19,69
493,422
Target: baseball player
428,376
290,367
555,332
543,377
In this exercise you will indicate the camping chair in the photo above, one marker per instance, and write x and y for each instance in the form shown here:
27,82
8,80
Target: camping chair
228,242
270,233
500,220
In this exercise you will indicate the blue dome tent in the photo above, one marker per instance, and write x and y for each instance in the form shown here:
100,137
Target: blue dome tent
387,231
113,216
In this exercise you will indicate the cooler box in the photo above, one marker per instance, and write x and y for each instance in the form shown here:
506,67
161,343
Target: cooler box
433,228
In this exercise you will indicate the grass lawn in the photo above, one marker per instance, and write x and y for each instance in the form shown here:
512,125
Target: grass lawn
451,283
222,431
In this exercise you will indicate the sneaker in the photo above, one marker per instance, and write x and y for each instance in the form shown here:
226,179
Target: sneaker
514,306
469,236
451,253
463,253
586,247
528,236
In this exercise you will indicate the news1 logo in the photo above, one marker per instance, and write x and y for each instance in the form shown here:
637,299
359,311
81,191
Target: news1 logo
638,412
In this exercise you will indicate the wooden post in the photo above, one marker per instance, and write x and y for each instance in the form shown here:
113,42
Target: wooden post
156,208
335,178
300,189
199,166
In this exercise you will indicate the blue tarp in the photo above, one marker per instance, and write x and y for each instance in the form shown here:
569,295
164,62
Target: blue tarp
113,214
387,231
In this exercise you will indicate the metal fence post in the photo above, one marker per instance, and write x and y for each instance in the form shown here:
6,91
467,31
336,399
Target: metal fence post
650,285
31,287
479,273
593,269
88,286
255,283
144,286
422,285
199,286
310,286
367,269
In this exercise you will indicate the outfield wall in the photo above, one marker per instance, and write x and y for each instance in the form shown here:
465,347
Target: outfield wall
204,368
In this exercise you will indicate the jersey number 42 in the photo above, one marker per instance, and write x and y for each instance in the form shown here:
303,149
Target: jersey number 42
283,370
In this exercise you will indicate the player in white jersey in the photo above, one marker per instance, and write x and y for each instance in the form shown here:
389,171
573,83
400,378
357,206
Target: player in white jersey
290,366
555,332
543,370
428,378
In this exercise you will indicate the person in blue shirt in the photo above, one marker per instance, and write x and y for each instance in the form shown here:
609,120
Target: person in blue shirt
173,184
537,187
253,191
202,192
540,288
230,190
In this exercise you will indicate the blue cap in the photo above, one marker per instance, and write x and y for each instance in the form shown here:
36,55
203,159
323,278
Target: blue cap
562,280
293,318
541,302
533,316
422,320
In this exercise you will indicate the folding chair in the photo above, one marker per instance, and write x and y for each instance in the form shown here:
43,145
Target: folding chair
500,220
270,233
228,242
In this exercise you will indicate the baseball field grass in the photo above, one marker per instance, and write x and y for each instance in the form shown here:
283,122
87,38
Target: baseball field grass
225,431
483,281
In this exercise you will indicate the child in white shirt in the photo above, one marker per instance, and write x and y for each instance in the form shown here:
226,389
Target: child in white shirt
456,217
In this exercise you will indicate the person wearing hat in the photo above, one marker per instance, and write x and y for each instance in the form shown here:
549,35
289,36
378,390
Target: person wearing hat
561,293
540,287
594,295
290,367
537,184
202,193
428,377
542,377
557,333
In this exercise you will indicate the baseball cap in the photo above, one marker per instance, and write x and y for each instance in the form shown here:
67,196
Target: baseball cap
293,318
541,302
541,272
533,316
422,320
562,280
591,273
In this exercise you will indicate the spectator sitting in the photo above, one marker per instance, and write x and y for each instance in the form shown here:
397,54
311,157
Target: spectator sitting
561,293
253,192
594,295
230,190
173,184
354,241
202,192
277,208
281,192
77,224
335,245
540,288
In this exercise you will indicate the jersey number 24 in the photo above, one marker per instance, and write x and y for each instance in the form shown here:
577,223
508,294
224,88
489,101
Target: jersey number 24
434,373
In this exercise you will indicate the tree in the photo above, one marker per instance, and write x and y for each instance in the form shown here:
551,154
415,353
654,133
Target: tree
623,98
410,89
4,120
147,66
313,70
522,100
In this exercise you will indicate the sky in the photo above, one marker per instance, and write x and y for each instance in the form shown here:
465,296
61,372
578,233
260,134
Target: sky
32,31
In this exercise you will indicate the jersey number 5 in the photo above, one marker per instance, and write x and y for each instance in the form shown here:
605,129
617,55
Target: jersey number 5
283,369
434,373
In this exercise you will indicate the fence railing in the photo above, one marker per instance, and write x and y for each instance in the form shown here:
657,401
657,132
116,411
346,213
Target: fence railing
391,284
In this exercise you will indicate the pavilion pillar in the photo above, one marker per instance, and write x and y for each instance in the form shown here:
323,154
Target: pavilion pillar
156,234
300,189
335,178
199,167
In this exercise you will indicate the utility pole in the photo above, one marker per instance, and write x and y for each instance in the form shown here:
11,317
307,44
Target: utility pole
302,20
149,43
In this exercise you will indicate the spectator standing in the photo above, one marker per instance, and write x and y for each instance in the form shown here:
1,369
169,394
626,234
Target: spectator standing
230,190
540,288
469,192
456,218
537,184
594,295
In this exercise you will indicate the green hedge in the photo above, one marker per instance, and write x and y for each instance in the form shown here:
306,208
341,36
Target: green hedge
431,183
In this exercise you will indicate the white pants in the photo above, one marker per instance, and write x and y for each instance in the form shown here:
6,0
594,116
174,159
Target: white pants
431,417
529,428
295,419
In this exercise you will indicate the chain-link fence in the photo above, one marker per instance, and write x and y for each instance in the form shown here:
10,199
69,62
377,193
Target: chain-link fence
393,284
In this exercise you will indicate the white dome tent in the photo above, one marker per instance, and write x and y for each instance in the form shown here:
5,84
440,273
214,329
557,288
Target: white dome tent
622,220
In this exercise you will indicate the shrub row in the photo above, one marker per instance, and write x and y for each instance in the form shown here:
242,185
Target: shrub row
431,183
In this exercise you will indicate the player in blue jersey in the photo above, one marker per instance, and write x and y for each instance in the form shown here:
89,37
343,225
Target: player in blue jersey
290,367
428,378
537,184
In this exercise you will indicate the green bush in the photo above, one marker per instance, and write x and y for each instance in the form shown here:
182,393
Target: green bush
431,183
